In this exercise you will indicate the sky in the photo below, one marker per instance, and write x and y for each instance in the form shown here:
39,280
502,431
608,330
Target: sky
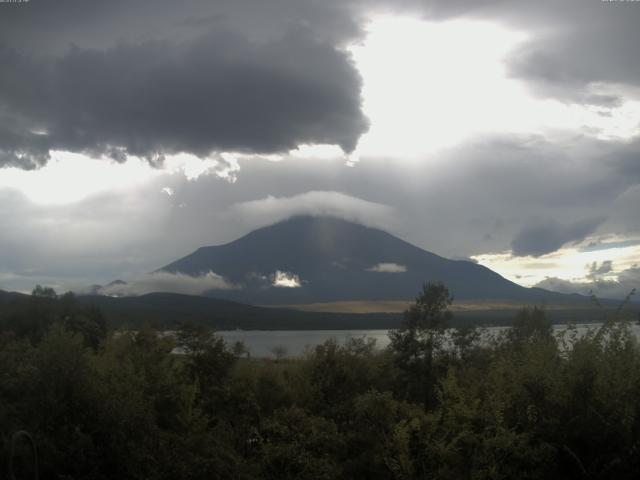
504,132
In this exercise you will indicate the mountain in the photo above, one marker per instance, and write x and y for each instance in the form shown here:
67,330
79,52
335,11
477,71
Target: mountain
322,259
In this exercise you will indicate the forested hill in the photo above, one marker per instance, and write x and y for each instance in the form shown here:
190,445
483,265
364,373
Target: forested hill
168,310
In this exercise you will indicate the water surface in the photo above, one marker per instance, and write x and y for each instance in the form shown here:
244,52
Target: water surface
293,343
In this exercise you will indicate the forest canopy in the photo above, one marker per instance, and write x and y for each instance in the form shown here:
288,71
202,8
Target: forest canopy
437,403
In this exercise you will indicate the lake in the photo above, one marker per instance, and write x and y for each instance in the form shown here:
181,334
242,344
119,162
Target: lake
261,343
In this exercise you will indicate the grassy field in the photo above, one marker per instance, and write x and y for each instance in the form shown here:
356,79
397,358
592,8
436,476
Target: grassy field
399,306
478,312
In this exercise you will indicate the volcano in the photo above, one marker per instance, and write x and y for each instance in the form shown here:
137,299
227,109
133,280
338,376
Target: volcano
323,259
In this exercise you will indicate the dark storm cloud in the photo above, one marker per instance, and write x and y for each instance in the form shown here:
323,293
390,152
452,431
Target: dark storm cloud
53,25
628,160
216,91
586,43
150,77
547,237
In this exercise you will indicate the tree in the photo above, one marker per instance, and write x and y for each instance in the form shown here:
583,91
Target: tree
280,351
530,325
297,445
43,292
208,361
86,320
420,337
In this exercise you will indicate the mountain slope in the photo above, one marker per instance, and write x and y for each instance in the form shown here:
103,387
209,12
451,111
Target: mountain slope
335,260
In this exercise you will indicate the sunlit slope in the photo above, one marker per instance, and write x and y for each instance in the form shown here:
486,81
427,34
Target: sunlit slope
459,307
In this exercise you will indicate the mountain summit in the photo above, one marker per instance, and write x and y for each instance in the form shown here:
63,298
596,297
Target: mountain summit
324,259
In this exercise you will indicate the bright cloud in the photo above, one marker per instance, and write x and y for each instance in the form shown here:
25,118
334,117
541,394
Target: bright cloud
271,209
321,151
429,85
225,165
168,282
71,177
623,284
387,268
286,280
576,264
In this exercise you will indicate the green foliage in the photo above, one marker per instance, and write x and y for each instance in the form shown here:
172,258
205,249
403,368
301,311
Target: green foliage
338,373
531,325
43,292
207,358
420,339
446,404
31,317
299,446
381,436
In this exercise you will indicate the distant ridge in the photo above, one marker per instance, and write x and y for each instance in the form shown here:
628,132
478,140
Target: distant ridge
327,259
170,310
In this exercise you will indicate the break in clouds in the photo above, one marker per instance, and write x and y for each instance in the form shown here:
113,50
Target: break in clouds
624,283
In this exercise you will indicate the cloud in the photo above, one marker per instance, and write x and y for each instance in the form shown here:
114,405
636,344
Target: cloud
599,245
387,268
542,238
619,287
561,285
286,280
597,271
120,233
490,186
167,282
554,62
575,49
208,71
184,54
319,203
53,26
218,91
